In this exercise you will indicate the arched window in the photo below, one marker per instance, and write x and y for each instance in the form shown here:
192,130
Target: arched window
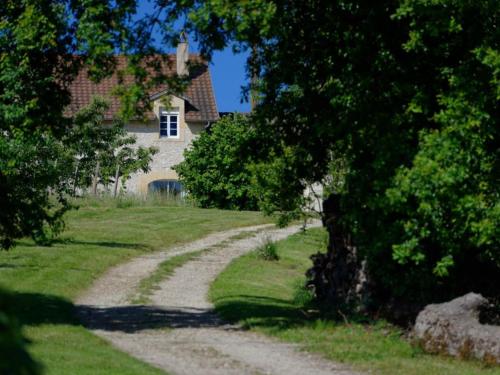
168,187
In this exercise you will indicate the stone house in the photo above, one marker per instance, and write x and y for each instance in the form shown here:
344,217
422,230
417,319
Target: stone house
168,128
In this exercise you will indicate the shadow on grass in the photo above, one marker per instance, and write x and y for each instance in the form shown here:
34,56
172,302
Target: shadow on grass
36,308
266,312
71,241
112,244
9,265
261,312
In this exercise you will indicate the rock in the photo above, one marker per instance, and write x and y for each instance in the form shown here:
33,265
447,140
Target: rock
453,328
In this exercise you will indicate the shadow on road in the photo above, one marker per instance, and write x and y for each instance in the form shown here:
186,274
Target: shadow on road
36,309
135,318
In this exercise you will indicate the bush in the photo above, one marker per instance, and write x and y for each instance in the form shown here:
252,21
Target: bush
214,171
448,207
303,296
268,250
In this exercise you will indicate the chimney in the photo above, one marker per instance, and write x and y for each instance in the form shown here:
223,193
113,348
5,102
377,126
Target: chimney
182,55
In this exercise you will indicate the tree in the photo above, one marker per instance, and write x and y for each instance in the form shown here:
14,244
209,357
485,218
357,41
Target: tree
103,153
43,46
407,94
215,168
379,86
36,38
128,160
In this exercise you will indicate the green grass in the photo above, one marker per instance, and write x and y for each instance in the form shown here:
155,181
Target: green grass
45,280
264,296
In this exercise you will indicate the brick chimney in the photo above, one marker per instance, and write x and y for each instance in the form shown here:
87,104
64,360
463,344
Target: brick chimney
182,55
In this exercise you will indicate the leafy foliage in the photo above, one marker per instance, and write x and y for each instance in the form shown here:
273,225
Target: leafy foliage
406,95
229,166
30,167
268,176
215,169
39,42
102,153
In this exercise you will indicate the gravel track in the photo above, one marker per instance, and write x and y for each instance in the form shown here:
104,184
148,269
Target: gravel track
179,332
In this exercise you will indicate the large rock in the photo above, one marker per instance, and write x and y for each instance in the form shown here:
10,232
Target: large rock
453,328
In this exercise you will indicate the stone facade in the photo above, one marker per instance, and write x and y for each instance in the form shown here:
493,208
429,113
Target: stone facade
170,150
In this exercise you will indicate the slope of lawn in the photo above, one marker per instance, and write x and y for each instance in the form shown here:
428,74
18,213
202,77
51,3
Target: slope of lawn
45,280
266,296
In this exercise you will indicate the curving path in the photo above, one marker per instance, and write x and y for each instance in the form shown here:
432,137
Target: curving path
179,332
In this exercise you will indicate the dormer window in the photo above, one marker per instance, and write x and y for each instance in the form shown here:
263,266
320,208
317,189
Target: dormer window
169,124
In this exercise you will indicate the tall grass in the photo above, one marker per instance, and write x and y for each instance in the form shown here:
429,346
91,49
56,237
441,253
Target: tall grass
132,200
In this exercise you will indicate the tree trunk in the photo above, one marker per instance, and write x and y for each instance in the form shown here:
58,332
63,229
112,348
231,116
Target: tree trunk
117,177
75,179
339,276
96,178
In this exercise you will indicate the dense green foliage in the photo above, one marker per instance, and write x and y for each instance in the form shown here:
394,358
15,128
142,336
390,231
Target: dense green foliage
39,42
215,168
406,94
224,169
34,36
28,168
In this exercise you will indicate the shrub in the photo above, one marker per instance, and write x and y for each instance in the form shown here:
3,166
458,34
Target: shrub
214,171
268,250
302,295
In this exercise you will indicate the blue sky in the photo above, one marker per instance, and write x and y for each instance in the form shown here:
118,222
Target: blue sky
228,75
227,70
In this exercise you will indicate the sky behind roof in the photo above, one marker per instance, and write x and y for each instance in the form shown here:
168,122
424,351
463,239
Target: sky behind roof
227,70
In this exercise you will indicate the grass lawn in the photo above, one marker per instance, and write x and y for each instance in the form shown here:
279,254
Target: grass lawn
45,280
265,296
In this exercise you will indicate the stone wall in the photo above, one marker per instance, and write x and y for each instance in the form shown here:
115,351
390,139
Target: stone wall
170,150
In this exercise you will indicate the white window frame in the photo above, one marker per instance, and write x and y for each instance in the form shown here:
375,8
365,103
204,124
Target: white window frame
164,112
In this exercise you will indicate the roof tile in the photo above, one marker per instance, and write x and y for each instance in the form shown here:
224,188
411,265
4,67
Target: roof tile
201,100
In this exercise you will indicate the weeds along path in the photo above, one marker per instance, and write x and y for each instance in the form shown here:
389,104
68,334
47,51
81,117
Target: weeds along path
179,332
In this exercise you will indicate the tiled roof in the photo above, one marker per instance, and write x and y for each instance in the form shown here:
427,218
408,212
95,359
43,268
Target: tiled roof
200,97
